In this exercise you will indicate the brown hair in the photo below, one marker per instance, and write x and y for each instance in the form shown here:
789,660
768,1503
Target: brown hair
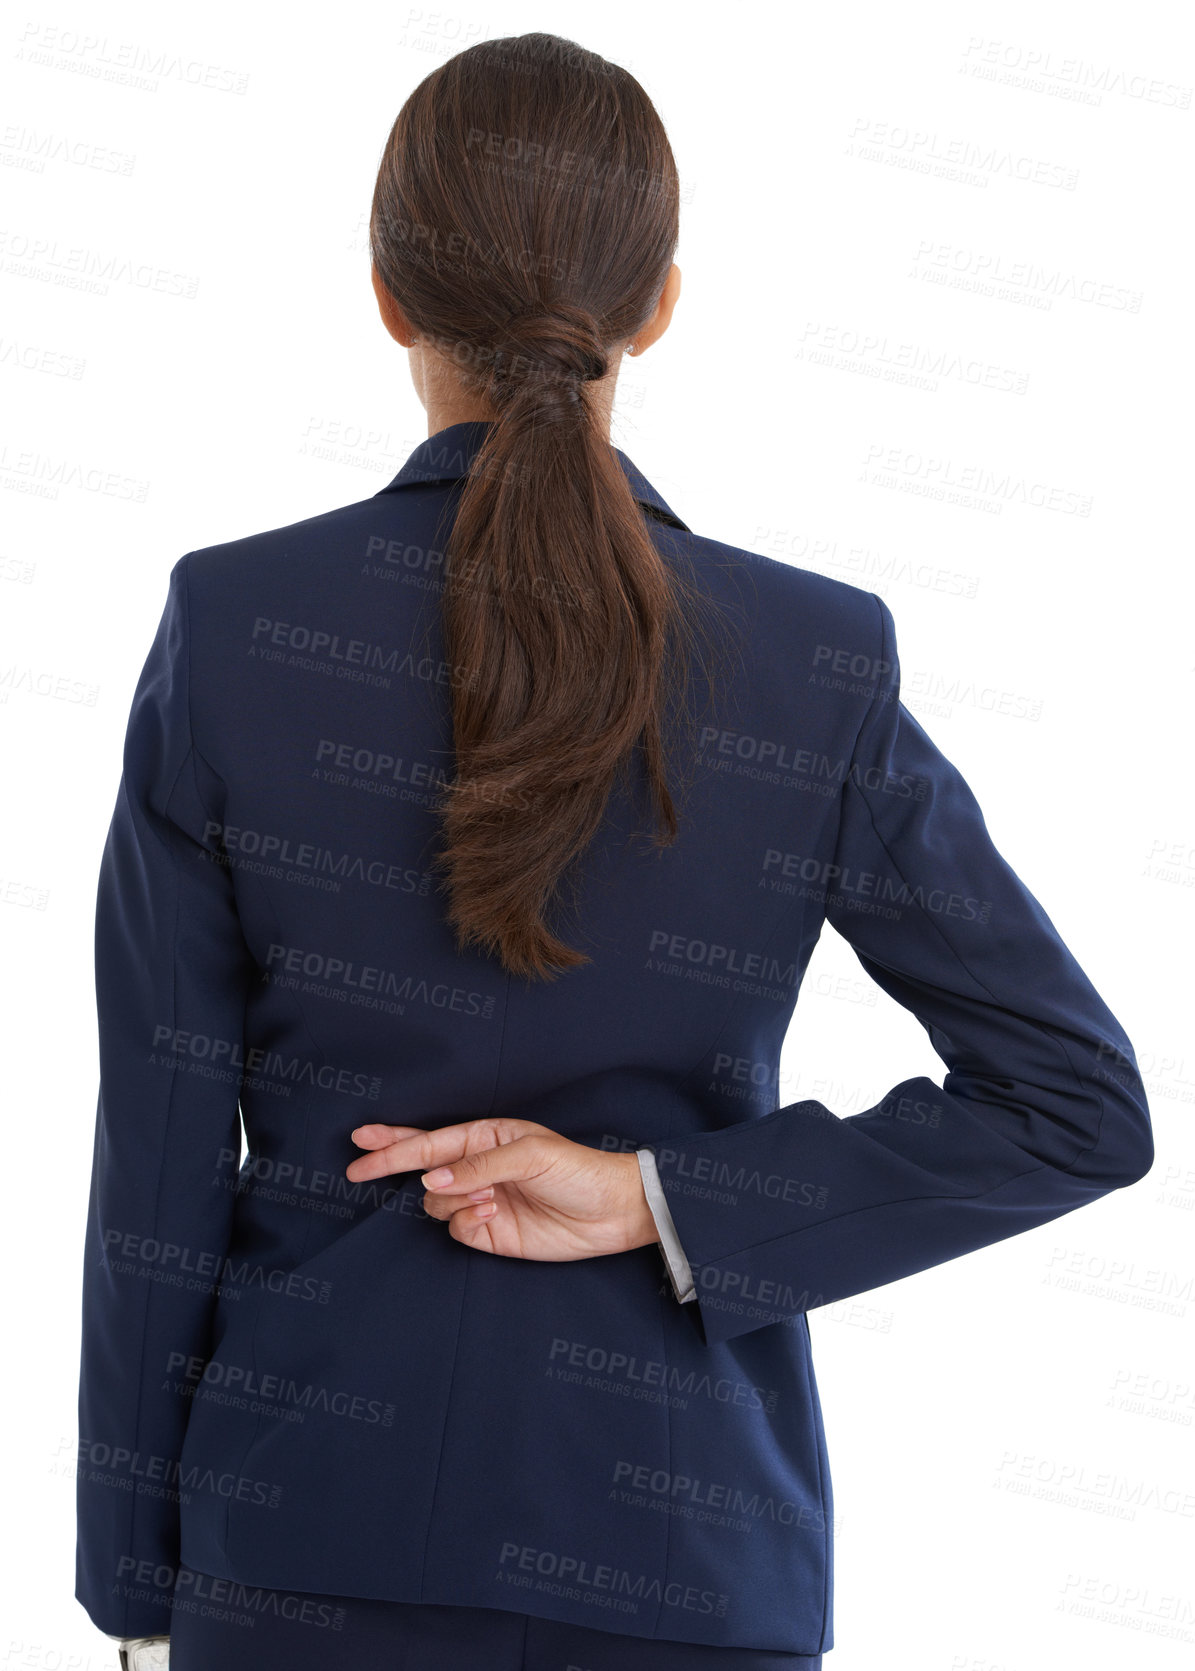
525,219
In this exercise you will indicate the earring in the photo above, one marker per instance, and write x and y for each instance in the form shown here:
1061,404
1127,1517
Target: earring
630,347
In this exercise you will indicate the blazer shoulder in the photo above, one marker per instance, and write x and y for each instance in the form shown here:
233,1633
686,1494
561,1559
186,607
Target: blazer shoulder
268,546
779,596
786,592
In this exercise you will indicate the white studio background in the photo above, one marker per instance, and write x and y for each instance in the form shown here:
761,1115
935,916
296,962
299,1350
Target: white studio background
935,340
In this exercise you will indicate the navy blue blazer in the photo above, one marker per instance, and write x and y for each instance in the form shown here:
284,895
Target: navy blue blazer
295,1381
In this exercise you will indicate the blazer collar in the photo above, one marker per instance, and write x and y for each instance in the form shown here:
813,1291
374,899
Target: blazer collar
447,455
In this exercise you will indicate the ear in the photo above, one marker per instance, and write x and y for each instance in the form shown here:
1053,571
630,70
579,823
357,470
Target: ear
660,320
392,314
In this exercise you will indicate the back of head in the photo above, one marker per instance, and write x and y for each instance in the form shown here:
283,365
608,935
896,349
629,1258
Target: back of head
524,220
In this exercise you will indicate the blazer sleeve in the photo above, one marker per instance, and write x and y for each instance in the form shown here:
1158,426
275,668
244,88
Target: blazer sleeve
1042,1109
171,968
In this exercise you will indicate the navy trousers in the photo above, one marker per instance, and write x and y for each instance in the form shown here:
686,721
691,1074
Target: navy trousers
219,1625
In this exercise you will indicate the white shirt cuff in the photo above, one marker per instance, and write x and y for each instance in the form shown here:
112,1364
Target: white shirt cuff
674,1254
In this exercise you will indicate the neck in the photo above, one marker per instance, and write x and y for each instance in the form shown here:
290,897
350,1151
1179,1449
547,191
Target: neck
446,403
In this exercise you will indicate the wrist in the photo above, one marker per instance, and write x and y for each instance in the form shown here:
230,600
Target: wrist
643,1230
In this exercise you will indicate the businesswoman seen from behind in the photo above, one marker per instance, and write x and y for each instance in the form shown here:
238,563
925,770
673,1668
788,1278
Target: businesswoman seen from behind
471,844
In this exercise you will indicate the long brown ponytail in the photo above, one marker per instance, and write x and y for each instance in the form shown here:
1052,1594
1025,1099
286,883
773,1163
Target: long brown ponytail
525,219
